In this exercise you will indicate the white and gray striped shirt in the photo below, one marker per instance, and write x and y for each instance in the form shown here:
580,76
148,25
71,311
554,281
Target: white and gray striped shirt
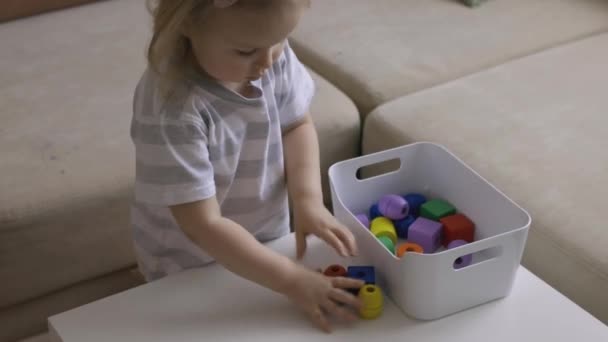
212,142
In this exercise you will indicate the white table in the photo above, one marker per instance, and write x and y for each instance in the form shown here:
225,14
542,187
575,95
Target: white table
211,304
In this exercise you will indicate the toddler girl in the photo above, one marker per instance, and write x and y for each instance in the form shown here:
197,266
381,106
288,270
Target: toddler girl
222,135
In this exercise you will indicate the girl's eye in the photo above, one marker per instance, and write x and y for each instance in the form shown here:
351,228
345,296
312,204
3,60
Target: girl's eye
246,53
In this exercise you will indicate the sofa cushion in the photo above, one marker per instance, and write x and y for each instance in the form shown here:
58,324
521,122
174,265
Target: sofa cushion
536,128
67,160
338,127
12,9
67,164
379,50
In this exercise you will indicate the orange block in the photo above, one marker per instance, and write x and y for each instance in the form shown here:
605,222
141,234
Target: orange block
409,247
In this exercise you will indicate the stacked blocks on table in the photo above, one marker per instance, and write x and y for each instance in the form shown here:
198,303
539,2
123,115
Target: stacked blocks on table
426,233
372,302
415,201
464,260
371,295
335,271
365,273
436,209
457,227
393,207
381,226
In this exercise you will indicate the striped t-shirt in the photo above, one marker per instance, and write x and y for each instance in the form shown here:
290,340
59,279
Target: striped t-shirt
212,141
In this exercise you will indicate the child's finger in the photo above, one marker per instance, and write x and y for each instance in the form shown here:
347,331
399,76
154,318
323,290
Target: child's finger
300,245
320,320
331,238
347,283
342,296
338,311
347,239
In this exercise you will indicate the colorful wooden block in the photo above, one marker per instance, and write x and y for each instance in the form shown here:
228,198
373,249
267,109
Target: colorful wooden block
363,219
335,271
374,212
393,207
402,226
409,247
415,201
457,227
436,209
372,302
464,260
381,226
388,243
365,273
426,233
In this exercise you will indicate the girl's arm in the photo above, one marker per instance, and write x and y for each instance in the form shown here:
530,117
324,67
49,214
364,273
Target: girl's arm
236,249
233,246
301,149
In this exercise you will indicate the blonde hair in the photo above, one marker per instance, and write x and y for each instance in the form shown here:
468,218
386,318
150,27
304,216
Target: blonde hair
169,47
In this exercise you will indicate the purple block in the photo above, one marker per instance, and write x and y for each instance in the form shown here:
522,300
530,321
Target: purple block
393,207
464,260
426,233
363,219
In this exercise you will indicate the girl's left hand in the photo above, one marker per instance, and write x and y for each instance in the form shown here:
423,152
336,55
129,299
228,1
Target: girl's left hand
311,217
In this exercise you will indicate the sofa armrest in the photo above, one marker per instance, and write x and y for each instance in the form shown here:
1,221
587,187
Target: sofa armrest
13,9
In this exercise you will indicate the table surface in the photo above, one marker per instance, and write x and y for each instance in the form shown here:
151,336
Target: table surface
212,304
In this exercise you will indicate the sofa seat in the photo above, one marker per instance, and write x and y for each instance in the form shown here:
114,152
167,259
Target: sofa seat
536,129
376,51
67,162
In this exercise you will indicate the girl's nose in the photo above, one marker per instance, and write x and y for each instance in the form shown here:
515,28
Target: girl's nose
265,60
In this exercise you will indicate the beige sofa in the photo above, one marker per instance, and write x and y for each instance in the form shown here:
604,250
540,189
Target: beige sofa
516,88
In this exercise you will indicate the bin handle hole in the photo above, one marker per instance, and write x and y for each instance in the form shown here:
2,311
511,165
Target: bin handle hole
468,260
378,169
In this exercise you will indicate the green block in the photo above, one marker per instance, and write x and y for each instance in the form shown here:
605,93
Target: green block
388,243
436,209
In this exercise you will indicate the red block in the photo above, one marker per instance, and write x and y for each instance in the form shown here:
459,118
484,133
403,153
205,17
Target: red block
457,227
335,271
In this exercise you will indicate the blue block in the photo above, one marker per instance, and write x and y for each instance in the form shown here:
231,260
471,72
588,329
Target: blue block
415,201
402,226
374,212
365,273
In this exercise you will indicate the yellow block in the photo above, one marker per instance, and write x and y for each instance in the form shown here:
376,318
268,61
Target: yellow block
372,301
381,226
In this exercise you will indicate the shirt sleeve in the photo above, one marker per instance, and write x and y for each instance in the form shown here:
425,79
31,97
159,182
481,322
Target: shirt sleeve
172,158
294,89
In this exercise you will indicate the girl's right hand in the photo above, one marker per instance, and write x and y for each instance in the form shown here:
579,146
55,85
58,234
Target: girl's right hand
319,295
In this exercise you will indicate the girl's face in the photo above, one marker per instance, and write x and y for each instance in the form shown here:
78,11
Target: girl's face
238,44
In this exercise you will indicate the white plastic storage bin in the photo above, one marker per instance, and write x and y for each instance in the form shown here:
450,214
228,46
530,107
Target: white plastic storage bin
427,286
